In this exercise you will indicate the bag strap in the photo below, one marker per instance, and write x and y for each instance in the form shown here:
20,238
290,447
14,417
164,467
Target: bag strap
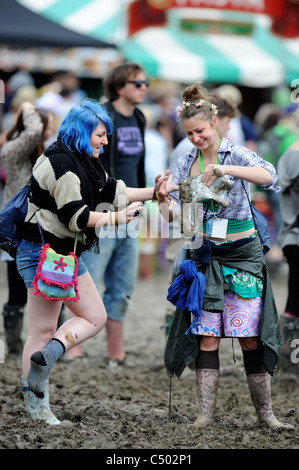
40,229
76,241
41,234
249,202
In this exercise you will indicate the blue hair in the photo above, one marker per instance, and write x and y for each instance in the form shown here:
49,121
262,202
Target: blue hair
79,123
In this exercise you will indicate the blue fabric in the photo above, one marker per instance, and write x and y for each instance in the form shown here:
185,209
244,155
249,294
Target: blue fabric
187,290
12,217
209,249
261,225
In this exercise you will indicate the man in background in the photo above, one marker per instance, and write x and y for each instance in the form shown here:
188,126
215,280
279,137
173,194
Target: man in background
123,158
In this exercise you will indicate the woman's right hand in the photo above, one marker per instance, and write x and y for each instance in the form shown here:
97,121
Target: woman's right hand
129,213
160,186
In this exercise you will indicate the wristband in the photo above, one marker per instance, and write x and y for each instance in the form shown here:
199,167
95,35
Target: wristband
154,195
172,202
112,218
163,198
116,219
108,218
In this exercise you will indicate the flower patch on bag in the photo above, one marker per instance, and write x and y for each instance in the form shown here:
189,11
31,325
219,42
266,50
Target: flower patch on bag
56,277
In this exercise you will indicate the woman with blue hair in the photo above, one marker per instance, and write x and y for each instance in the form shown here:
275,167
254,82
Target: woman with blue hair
68,186
78,125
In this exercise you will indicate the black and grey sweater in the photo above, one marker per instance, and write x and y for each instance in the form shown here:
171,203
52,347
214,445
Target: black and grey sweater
65,187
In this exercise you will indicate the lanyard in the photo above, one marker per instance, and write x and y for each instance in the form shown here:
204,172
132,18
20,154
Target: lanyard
201,162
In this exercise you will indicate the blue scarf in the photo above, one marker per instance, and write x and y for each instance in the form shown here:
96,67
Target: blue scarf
187,290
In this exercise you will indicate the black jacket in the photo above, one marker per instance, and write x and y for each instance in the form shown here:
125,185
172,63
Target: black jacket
65,187
109,157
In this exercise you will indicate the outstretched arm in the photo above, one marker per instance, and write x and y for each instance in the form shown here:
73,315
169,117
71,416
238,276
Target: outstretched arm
144,194
254,174
101,219
164,201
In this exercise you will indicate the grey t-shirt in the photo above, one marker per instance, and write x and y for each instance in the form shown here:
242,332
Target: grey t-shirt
288,179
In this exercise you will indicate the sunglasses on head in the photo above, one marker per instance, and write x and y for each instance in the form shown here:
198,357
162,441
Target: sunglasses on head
138,83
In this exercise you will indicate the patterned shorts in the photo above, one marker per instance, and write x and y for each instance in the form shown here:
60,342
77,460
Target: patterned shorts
240,318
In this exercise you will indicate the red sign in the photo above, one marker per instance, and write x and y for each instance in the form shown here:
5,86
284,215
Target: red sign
256,6
284,13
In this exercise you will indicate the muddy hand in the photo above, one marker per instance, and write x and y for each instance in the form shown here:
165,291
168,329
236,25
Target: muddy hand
211,173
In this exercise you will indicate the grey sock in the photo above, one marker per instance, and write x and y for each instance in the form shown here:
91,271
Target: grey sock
41,364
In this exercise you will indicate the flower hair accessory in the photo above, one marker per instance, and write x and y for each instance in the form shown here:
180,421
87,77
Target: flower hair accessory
198,104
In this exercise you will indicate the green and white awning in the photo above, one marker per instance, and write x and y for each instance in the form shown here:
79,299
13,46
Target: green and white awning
172,52
256,60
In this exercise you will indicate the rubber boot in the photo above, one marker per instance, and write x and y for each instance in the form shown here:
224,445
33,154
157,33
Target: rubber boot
38,408
207,385
288,366
260,392
13,325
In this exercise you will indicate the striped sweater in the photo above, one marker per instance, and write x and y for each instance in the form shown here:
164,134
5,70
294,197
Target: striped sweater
65,187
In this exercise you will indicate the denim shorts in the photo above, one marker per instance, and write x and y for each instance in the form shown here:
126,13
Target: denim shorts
27,260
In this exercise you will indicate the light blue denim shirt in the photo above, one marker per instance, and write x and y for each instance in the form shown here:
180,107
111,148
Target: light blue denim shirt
228,154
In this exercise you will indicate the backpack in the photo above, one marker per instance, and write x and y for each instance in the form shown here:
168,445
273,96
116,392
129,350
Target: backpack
12,217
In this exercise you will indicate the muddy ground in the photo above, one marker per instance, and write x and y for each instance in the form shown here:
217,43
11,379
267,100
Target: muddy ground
128,407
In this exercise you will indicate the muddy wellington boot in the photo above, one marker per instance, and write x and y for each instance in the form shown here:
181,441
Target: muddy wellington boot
13,325
260,392
38,408
207,385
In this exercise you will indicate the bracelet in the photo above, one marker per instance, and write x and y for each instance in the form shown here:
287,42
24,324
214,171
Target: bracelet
163,198
112,218
154,195
171,204
115,219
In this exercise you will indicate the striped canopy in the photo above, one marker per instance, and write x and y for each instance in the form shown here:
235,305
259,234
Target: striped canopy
257,59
